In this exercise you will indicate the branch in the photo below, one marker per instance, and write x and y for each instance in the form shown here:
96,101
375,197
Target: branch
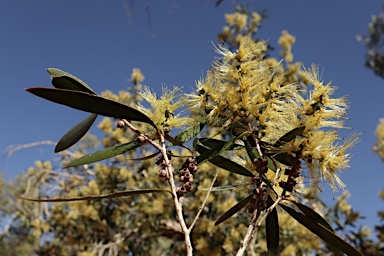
202,206
254,226
170,172
13,149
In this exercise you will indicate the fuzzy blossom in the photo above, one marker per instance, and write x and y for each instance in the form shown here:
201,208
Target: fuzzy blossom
246,92
256,19
286,41
137,76
325,158
321,109
238,20
163,111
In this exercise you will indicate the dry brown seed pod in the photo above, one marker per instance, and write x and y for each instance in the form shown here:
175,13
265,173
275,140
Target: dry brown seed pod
188,185
182,190
140,139
194,169
162,173
191,166
120,124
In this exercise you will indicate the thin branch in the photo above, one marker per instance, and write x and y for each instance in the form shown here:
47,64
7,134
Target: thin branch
204,202
13,149
170,171
178,205
253,226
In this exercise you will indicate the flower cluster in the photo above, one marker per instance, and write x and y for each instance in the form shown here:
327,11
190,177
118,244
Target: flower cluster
244,93
163,111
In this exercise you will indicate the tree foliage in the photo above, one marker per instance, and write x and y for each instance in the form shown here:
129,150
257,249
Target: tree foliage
228,178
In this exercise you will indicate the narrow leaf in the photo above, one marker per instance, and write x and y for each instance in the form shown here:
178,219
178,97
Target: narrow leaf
211,153
230,166
324,233
234,210
64,80
190,133
314,216
90,103
272,233
290,136
104,154
226,164
212,143
222,188
75,133
174,141
98,197
145,157
283,158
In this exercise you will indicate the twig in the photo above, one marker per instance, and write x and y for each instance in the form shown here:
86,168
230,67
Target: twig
253,226
178,206
171,182
13,149
202,206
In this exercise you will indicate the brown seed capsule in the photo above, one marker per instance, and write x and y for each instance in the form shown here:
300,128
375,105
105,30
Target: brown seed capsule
120,124
189,159
194,169
191,166
182,190
162,173
188,186
184,171
140,139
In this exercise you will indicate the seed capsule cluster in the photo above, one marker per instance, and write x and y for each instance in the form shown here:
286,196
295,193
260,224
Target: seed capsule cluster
292,173
186,176
260,193
161,162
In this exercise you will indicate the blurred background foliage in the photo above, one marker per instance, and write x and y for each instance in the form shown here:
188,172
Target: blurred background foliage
146,224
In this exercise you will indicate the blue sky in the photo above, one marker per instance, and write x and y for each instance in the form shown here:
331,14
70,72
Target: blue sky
99,42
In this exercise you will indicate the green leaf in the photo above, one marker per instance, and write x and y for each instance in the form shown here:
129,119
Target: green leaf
272,233
211,153
314,216
283,158
104,154
222,188
289,136
145,157
90,103
324,233
75,133
212,143
226,164
228,214
190,133
318,219
63,80
98,197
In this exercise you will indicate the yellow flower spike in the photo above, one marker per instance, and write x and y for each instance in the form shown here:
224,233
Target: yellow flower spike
162,111
137,76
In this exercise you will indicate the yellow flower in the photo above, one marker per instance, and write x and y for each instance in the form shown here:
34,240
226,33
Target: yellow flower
163,111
